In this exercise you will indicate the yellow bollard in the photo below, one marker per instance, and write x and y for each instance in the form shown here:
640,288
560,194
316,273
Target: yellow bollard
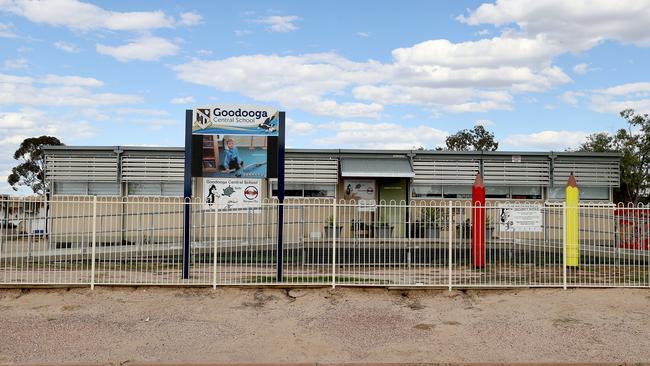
571,222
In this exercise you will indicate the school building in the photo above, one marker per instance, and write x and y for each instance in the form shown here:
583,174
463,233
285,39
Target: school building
382,175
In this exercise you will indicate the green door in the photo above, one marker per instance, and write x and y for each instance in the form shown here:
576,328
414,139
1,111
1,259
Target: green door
393,190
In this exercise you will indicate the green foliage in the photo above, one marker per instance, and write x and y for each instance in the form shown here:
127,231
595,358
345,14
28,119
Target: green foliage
478,139
30,171
432,215
634,145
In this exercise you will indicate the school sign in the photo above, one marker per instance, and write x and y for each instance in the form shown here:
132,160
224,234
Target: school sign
235,141
232,119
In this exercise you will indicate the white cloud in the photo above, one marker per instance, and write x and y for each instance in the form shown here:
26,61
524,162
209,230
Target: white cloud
18,120
617,98
142,112
280,23
363,34
317,79
311,85
204,52
484,123
16,126
67,47
571,97
497,52
71,80
183,100
576,25
19,63
7,31
84,16
382,136
156,124
639,89
55,90
146,48
449,99
191,18
299,128
581,69
547,140
476,76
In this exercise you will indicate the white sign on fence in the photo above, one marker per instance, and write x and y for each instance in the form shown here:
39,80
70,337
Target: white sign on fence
515,217
219,193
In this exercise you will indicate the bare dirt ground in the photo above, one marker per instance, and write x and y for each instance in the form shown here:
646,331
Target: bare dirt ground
114,325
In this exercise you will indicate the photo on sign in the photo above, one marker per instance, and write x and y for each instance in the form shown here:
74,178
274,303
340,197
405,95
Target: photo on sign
225,193
359,190
363,191
234,156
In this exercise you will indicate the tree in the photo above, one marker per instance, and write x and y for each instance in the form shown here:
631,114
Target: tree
30,172
634,145
599,142
478,139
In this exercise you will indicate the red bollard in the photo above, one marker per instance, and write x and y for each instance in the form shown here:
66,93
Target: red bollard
478,222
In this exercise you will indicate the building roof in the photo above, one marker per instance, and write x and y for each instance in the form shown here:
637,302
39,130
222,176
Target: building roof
376,167
357,152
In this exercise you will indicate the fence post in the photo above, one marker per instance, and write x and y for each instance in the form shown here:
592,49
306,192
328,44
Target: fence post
94,242
334,230
449,224
564,219
214,253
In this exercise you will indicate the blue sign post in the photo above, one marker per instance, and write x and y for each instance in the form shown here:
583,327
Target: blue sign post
280,195
187,193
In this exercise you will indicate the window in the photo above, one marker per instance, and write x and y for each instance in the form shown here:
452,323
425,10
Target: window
424,191
305,190
86,188
103,189
319,190
526,193
155,189
594,193
586,193
143,189
172,189
497,192
464,192
457,192
71,188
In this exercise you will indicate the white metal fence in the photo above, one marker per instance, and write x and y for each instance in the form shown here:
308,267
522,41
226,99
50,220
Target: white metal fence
111,241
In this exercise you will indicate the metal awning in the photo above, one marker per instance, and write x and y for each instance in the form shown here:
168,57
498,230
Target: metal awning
376,167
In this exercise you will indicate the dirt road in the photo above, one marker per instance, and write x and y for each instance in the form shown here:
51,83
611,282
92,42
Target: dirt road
323,325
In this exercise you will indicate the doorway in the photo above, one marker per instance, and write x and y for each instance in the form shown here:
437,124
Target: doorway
396,190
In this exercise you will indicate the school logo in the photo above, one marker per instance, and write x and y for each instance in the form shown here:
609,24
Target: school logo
202,117
251,193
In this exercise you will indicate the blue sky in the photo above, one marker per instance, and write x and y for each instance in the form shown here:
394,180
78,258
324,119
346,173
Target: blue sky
363,74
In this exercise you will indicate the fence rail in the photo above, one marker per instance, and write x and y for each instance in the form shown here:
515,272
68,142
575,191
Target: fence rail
111,241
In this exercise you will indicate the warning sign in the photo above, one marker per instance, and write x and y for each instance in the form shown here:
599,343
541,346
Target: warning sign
515,217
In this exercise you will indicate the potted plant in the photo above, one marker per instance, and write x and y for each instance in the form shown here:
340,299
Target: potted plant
329,228
383,229
489,229
360,229
464,229
430,221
